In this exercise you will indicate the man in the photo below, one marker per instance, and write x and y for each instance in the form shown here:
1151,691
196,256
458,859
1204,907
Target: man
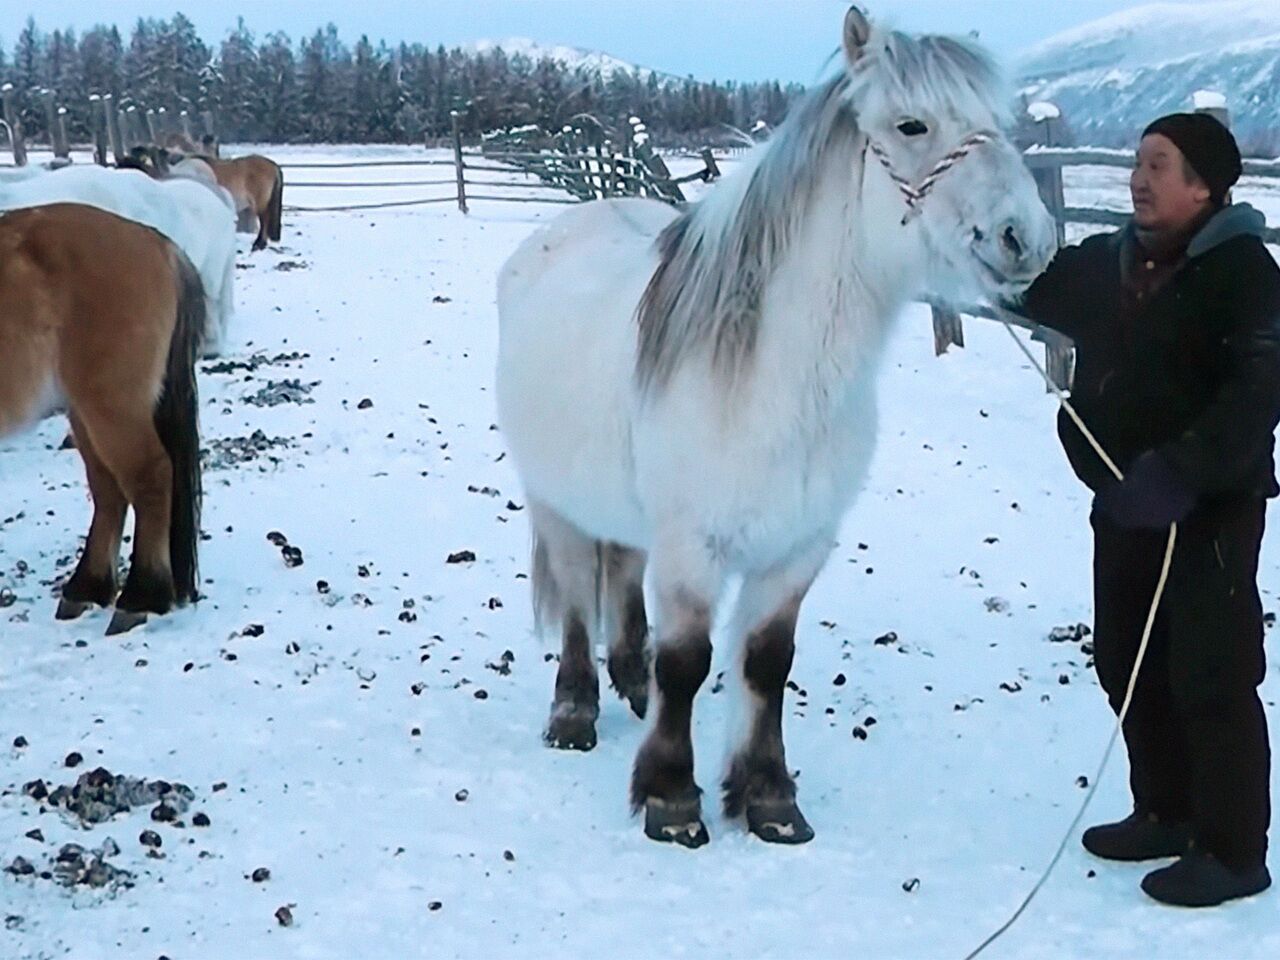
1176,319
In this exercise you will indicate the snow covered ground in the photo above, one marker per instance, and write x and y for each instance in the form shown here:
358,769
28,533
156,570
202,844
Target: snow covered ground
382,758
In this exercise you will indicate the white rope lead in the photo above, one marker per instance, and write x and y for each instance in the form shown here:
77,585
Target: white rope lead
1137,664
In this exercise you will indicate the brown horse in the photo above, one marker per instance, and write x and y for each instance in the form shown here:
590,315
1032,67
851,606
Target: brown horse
257,184
105,315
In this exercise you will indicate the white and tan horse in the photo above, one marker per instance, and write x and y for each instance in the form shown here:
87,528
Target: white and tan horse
689,397
199,219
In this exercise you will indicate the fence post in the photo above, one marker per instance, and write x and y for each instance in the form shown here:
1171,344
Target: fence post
15,126
210,136
1058,352
454,119
948,329
713,171
98,123
1049,179
62,143
1212,103
128,129
50,112
114,138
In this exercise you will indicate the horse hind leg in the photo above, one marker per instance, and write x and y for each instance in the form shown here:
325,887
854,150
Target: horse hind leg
628,625
132,451
758,785
260,241
565,566
94,581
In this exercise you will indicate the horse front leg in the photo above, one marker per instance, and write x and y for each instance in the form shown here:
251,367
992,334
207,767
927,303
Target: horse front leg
662,782
758,785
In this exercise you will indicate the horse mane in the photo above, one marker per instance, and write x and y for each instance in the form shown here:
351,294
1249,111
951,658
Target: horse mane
716,259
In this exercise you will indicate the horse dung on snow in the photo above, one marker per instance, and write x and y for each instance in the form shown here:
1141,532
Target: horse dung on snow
689,396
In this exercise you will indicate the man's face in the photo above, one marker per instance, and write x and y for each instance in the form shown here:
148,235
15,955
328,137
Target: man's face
1167,195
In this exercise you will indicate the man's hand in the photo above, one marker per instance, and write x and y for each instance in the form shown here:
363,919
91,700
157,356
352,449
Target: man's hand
1151,497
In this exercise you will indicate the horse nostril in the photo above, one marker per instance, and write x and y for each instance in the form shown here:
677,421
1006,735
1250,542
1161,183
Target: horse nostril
1010,241
978,235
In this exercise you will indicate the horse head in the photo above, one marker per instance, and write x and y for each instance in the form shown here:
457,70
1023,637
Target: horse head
933,110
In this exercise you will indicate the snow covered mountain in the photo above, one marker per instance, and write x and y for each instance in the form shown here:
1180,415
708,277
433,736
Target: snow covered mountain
593,61
1112,76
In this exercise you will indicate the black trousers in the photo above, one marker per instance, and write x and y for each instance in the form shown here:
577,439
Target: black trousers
1196,731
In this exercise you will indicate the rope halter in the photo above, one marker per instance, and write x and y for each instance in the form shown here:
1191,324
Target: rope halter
914,195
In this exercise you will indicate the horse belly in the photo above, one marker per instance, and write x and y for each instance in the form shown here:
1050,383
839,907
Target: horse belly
756,483
566,356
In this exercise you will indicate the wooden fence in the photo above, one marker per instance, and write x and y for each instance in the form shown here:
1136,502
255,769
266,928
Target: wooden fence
116,128
578,163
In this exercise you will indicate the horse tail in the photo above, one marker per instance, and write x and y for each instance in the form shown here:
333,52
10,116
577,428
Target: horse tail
177,421
546,592
275,206
551,601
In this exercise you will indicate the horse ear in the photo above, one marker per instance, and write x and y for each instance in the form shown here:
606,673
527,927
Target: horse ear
857,31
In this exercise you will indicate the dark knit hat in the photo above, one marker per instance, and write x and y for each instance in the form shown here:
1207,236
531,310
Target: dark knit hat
1208,146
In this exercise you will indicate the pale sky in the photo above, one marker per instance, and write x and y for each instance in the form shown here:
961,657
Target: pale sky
712,39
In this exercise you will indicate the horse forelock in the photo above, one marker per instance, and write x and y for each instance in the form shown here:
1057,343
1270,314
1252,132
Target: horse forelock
934,75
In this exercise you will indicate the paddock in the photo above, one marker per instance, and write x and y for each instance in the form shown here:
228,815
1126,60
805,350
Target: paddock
375,712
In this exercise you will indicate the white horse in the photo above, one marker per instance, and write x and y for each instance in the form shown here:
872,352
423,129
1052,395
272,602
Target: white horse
200,220
689,397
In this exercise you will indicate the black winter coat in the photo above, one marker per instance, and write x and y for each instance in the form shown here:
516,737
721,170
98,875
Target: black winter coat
1193,373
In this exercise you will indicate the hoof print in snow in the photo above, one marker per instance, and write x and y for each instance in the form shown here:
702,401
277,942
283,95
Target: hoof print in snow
912,885
284,915
462,556
261,875
292,556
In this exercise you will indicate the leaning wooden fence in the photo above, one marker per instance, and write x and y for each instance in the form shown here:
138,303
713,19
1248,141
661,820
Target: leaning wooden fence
581,162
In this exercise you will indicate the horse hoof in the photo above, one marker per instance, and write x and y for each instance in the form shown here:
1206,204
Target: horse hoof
679,823
779,823
570,731
122,621
71,609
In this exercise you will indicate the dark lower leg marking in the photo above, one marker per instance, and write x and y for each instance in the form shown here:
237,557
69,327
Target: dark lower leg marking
577,701
758,783
664,766
146,591
628,659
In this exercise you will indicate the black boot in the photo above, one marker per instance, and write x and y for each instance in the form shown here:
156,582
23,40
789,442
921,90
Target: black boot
1139,836
1201,880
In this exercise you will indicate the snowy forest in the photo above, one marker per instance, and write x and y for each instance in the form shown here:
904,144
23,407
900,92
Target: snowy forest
320,90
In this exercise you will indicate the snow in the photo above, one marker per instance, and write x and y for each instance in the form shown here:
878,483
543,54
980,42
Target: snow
1208,100
970,544
592,61
1042,110
1150,34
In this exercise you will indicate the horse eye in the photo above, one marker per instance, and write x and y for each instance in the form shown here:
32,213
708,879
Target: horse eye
912,128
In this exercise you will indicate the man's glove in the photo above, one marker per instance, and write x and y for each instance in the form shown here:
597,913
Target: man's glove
1151,497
